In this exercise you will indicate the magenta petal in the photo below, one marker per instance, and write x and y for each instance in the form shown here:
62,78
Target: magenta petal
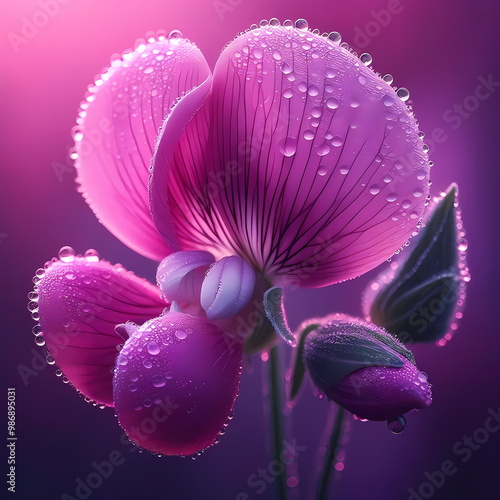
176,382
117,129
315,166
382,393
79,303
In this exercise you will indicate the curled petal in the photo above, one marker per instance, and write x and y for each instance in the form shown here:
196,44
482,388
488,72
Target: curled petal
180,275
79,303
227,288
313,164
364,369
117,129
176,381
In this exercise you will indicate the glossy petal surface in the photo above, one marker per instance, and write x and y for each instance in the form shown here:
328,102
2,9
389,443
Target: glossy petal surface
176,382
313,165
116,134
80,303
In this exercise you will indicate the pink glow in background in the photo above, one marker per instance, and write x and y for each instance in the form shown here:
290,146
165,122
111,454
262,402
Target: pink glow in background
440,50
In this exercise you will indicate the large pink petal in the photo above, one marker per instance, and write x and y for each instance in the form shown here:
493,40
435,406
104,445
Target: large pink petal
80,301
176,382
117,129
312,165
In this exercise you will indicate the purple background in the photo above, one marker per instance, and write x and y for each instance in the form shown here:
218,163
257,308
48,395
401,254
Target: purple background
439,50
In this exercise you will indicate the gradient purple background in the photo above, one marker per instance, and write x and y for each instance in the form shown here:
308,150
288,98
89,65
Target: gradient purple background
437,49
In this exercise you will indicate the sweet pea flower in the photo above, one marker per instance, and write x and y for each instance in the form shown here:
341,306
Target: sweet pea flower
364,369
288,165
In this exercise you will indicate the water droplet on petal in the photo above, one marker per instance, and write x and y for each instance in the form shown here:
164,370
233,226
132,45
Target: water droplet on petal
301,24
366,59
332,103
308,135
388,100
147,363
288,146
175,34
388,78
344,170
323,149
159,381
181,334
397,425
153,348
391,197
403,94
66,254
374,189
335,37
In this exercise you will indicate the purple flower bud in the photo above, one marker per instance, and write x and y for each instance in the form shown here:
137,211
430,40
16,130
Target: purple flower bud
364,369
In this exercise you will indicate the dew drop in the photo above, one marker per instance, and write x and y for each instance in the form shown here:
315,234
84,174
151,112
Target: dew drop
277,55
335,37
66,254
388,100
366,59
332,103
403,93
374,189
322,171
148,70
337,141
122,360
132,388
323,149
344,170
147,363
422,376
175,34
286,69
274,22
388,178
40,341
397,424
418,193
180,334
288,146
159,381
308,135
287,23
463,245
50,360
70,275
391,197
288,93
301,24
153,348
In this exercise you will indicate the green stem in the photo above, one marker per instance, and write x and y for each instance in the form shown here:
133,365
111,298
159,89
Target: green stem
330,454
277,420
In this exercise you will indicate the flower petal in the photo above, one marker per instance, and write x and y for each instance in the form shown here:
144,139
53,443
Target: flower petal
316,169
117,129
181,274
227,288
79,303
176,383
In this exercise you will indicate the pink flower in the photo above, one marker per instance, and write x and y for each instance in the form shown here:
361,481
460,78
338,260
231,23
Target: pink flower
293,163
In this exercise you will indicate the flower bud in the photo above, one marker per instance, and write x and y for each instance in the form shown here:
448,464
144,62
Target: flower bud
364,369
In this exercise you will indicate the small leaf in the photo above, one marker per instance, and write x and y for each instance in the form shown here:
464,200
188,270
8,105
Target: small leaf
275,311
417,303
298,369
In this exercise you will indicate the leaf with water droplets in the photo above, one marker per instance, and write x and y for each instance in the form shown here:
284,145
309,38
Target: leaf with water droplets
275,311
417,302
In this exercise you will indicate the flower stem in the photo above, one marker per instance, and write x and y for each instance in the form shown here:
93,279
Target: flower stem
332,446
277,434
